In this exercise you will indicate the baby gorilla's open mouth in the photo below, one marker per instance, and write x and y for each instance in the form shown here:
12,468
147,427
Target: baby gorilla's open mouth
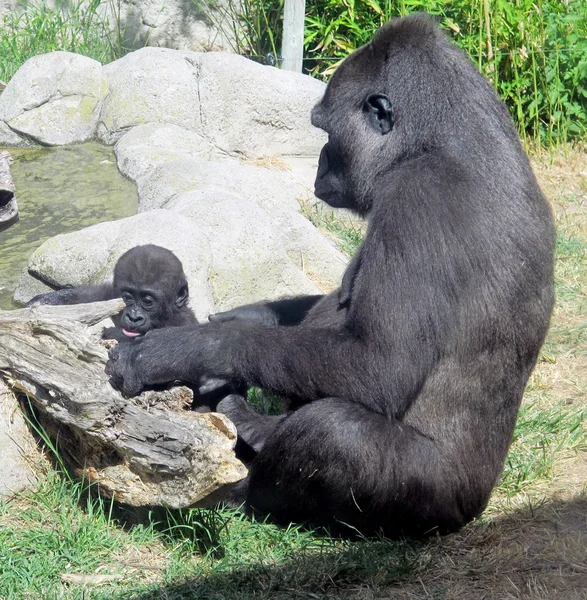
131,333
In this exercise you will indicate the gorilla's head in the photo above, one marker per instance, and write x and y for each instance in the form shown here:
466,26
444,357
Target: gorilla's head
151,281
402,95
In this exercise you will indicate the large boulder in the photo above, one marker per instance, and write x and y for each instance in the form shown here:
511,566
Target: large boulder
249,254
255,110
240,106
146,147
151,85
315,255
53,99
236,106
89,255
267,188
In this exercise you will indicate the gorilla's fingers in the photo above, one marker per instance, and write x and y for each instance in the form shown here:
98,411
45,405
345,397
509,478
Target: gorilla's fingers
121,377
222,317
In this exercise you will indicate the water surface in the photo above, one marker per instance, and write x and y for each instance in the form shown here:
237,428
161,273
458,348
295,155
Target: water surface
59,190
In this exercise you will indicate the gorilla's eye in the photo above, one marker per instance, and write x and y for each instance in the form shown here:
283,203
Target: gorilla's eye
128,299
148,301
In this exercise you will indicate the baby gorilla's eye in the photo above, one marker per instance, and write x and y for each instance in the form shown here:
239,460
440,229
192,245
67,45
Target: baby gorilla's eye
148,301
128,299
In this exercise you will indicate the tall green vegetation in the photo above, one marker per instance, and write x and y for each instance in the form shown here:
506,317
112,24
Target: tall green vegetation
533,51
71,25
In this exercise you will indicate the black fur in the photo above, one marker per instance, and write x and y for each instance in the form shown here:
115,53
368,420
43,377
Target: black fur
408,392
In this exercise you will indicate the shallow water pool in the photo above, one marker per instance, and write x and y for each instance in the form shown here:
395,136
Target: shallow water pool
59,190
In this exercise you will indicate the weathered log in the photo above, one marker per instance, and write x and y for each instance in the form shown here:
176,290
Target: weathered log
8,206
145,451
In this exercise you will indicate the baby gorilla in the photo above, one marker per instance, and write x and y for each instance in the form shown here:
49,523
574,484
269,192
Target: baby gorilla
151,281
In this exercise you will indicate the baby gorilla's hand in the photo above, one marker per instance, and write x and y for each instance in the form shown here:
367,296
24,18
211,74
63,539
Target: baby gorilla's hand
124,368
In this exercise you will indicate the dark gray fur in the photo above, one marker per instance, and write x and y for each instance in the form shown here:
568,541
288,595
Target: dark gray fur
407,395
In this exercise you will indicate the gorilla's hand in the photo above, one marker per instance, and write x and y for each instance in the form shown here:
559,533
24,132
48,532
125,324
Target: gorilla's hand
122,368
162,355
174,353
253,313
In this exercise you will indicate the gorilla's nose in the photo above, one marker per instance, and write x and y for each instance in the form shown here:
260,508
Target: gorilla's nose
136,318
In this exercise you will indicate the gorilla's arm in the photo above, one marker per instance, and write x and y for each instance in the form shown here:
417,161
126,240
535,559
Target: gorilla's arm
287,311
303,362
77,295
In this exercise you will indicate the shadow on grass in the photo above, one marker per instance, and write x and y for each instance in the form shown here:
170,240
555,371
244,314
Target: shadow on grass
536,552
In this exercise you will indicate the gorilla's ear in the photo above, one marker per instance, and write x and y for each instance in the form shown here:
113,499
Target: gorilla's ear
379,112
182,296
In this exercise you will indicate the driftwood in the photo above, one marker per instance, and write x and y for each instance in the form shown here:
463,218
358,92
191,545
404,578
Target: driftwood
8,206
144,451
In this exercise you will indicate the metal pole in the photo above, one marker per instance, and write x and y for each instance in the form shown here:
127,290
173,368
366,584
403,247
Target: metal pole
292,49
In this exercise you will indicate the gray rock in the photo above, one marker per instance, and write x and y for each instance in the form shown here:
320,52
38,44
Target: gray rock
146,147
249,258
151,85
268,188
53,99
8,204
28,287
89,255
315,255
240,106
16,444
10,139
255,110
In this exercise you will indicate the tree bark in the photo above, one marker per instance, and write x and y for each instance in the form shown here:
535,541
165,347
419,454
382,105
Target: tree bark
146,451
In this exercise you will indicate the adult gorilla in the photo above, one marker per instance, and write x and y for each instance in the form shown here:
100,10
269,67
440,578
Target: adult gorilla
407,386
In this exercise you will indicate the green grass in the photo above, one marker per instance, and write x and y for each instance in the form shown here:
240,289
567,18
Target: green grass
74,27
61,529
57,528
541,434
346,232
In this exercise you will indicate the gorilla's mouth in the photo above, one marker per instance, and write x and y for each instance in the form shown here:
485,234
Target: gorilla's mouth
131,333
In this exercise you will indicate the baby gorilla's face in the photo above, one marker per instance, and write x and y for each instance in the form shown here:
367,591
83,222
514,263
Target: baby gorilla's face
145,310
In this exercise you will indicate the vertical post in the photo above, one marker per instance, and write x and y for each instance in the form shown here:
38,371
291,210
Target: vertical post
292,49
